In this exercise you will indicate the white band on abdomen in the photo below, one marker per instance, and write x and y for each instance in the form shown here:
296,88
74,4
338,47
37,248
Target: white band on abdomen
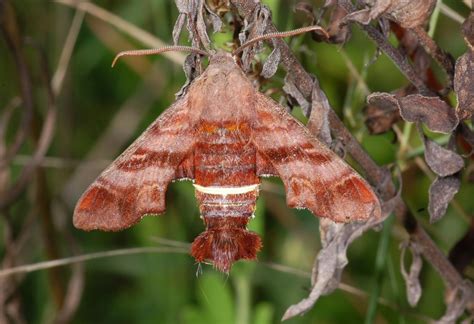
225,190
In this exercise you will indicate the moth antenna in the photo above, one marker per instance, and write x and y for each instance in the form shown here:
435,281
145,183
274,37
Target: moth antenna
154,51
280,35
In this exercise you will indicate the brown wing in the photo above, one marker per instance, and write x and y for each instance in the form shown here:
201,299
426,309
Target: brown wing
135,183
314,177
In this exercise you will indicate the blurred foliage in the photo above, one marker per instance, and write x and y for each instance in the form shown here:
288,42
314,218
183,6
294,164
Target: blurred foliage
164,288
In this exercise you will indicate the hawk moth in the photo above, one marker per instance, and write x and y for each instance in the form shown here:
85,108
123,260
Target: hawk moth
224,135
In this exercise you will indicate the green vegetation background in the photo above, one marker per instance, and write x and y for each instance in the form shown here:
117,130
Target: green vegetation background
164,288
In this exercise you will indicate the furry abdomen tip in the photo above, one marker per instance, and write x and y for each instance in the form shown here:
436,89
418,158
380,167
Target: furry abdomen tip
225,241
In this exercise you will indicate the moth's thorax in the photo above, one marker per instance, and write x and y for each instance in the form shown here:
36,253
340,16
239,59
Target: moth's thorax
224,155
222,90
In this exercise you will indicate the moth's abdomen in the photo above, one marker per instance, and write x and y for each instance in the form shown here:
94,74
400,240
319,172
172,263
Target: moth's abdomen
226,187
225,177
225,202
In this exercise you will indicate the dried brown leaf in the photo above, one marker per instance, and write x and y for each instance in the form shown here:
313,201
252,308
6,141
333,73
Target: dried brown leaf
362,16
407,13
457,303
381,113
318,122
184,6
214,19
436,114
464,85
178,27
412,278
201,27
192,12
291,89
184,9
332,258
252,29
271,64
190,71
442,161
441,192
339,33
307,9
468,29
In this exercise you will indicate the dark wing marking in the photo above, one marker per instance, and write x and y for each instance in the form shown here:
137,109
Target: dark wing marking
136,182
314,177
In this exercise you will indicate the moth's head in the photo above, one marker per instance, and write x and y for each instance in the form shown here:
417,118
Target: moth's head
225,241
222,57
221,62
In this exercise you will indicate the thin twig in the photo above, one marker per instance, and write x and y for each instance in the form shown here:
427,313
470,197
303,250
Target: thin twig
448,12
68,47
86,257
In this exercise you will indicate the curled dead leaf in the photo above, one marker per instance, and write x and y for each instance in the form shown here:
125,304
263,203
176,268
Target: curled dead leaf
441,192
406,13
307,9
339,33
271,64
412,277
192,12
436,114
464,85
292,90
318,122
332,258
457,302
215,20
381,113
442,161
254,27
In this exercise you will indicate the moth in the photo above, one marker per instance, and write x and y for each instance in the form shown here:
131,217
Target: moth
224,135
